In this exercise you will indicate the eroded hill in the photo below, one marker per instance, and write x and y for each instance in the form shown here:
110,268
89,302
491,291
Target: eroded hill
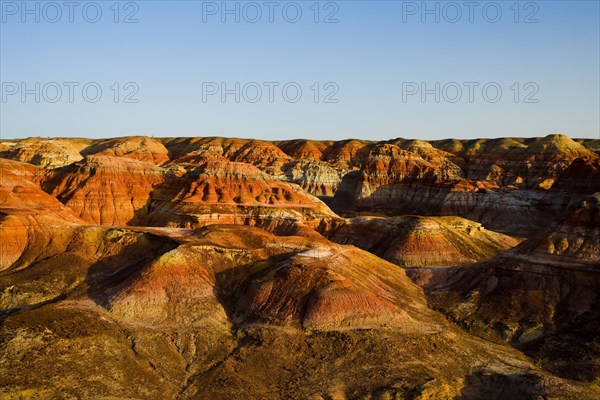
222,268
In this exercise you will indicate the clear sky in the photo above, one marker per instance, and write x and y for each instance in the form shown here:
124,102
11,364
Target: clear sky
370,60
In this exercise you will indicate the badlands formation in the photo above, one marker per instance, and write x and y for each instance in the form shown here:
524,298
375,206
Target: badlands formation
217,268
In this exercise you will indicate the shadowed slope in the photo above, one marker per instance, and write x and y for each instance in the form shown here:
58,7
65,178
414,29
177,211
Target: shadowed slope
183,308
227,312
539,294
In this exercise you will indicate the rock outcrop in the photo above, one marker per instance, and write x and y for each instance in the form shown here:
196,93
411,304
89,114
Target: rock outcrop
230,312
574,237
234,193
138,148
414,241
509,185
29,217
515,186
105,190
537,295
47,153
215,268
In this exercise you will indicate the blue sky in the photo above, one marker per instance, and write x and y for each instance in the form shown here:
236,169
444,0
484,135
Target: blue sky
371,61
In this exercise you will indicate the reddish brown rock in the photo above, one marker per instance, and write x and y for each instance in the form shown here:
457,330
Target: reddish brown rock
304,149
267,156
236,312
512,185
105,190
541,295
414,241
501,183
224,192
348,154
28,215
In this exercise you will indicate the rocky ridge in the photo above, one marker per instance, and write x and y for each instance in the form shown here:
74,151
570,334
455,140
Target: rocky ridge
234,268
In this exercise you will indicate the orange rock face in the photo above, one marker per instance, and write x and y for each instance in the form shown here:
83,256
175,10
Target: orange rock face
105,190
231,192
28,215
511,185
147,254
229,268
